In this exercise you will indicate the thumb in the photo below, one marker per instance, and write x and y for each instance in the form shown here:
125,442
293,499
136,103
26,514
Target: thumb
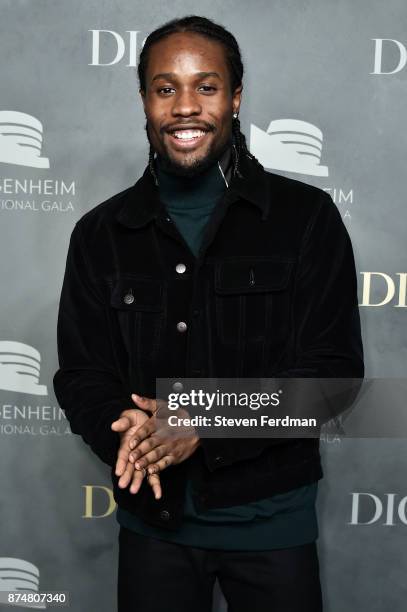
138,399
145,403
121,424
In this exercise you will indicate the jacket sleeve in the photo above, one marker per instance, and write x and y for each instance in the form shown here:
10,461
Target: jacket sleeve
327,333
87,385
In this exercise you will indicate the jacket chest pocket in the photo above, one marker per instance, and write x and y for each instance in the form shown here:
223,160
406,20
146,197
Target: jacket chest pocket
252,298
138,306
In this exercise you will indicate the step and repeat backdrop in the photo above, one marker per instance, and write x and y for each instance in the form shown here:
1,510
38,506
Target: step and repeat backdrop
333,73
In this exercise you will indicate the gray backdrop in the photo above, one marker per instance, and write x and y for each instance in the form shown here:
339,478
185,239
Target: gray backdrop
72,134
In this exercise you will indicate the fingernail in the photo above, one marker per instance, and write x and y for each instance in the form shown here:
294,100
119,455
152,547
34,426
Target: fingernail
137,466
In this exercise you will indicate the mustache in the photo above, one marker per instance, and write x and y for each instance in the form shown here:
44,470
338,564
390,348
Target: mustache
208,127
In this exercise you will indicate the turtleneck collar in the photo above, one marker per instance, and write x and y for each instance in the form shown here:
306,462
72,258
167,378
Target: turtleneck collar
179,192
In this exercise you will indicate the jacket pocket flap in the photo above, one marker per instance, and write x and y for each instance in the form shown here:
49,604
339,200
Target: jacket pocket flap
252,275
131,293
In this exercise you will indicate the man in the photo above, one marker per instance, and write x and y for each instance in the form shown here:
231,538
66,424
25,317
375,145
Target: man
208,266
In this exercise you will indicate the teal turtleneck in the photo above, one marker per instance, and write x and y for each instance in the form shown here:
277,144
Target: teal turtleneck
191,200
280,521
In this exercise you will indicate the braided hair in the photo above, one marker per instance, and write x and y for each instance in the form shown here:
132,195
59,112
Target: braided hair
209,29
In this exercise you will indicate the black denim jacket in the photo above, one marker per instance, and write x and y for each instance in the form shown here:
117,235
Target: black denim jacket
299,318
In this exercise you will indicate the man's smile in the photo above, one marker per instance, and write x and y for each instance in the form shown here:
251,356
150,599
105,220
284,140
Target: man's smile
186,138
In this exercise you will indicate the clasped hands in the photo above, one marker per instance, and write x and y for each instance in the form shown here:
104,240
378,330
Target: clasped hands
149,444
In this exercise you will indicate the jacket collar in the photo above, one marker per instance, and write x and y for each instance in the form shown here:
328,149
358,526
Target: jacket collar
142,204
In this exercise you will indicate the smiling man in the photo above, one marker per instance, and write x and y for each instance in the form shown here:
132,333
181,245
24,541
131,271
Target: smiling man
188,140
208,266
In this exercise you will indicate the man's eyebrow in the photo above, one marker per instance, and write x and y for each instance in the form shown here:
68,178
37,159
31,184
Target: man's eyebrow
172,75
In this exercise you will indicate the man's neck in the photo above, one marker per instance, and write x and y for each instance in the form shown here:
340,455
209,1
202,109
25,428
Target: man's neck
223,165
199,193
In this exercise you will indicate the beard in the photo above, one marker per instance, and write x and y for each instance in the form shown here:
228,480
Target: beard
195,165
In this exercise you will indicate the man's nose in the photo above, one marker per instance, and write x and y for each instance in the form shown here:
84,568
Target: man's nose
186,103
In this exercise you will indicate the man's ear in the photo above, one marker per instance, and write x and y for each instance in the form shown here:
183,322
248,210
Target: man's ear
237,97
143,97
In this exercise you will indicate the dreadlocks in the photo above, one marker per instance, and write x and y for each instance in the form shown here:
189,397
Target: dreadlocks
209,29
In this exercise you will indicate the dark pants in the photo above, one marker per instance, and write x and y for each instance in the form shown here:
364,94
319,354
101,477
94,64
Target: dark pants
159,576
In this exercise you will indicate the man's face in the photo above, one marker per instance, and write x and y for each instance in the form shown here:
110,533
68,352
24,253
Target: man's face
188,102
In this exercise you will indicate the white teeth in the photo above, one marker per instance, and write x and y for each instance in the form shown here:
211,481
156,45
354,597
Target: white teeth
188,134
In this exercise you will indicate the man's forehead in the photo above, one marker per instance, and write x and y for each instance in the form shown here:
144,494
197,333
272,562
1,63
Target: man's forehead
187,39
178,47
198,75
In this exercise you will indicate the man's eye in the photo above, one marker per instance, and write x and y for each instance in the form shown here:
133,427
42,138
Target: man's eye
208,87
164,88
167,90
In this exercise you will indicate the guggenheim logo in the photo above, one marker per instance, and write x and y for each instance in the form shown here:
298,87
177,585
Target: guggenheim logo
20,368
21,140
20,576
289,145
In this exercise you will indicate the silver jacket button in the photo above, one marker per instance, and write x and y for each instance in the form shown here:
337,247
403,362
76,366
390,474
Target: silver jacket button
181,326
128,298
180,268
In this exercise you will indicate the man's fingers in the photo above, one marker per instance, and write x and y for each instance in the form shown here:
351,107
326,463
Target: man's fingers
130,432
145,403
126,477
122,457
138,476
160,465
121,463
145,447
155,484
123,452
152,456
142,433
121,424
